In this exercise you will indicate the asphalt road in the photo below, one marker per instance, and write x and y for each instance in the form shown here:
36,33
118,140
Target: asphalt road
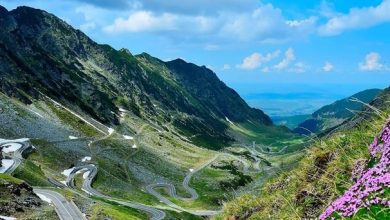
65,210
86,187
194,195
254,154
172,192
16,155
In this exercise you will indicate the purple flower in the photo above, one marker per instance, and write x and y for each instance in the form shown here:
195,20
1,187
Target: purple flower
370,183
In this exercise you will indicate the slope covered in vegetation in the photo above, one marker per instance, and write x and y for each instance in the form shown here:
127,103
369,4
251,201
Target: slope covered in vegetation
333,165
41,54
330,116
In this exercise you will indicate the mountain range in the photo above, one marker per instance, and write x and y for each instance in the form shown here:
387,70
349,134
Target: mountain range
332,115
42,54
91,132
127,122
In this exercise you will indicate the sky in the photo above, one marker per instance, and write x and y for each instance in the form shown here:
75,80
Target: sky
336,47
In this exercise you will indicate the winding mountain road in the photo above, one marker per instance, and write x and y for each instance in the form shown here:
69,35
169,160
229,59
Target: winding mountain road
65,210
151,189
254,153
172,192
16,155
86,187
68,210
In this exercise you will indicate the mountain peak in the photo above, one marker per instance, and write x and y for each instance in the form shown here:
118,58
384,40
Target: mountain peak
67,66
27,10
127,51
3,10
178,60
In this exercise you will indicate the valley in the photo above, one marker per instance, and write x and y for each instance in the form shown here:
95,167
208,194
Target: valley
41,170
88,131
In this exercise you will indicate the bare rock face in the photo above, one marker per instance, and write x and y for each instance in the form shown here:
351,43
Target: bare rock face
16,198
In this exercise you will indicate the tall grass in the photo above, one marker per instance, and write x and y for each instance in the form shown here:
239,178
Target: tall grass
322,175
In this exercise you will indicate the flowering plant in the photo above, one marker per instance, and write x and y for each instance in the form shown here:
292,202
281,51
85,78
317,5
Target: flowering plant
370,186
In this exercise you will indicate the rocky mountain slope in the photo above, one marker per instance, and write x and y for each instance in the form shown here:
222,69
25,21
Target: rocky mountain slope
18,198
137,122
41,54
336,113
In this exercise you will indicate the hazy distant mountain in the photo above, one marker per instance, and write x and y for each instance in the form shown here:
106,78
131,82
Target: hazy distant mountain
336,113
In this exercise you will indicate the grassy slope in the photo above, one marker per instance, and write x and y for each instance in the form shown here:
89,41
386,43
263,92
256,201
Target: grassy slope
336,113
162,154
290,121
322,176
273,137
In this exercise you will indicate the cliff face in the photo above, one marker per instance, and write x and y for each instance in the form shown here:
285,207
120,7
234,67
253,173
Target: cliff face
42,55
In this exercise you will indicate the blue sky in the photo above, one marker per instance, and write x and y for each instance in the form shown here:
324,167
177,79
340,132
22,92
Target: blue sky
253,46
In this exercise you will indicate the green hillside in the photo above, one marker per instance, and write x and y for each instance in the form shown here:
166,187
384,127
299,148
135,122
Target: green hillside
42,54
326,171
139,120
336,113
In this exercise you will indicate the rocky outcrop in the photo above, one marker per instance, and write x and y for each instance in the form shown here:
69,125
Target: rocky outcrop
17,198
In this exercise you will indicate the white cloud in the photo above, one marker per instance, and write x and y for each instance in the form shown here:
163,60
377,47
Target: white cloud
264,24
326,9
372,63
289,56
298,67
197,6
251,62
226,67
88,26
265,69
143,21
328,67
255,60
93,17
357,18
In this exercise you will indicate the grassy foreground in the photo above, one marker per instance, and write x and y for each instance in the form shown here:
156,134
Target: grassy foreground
322,176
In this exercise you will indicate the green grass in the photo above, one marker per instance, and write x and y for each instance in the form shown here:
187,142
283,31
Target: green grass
211,194
172,215
319,178
374,212
290,121
5,178
51,157
31,173
275,137
112,210
73,121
